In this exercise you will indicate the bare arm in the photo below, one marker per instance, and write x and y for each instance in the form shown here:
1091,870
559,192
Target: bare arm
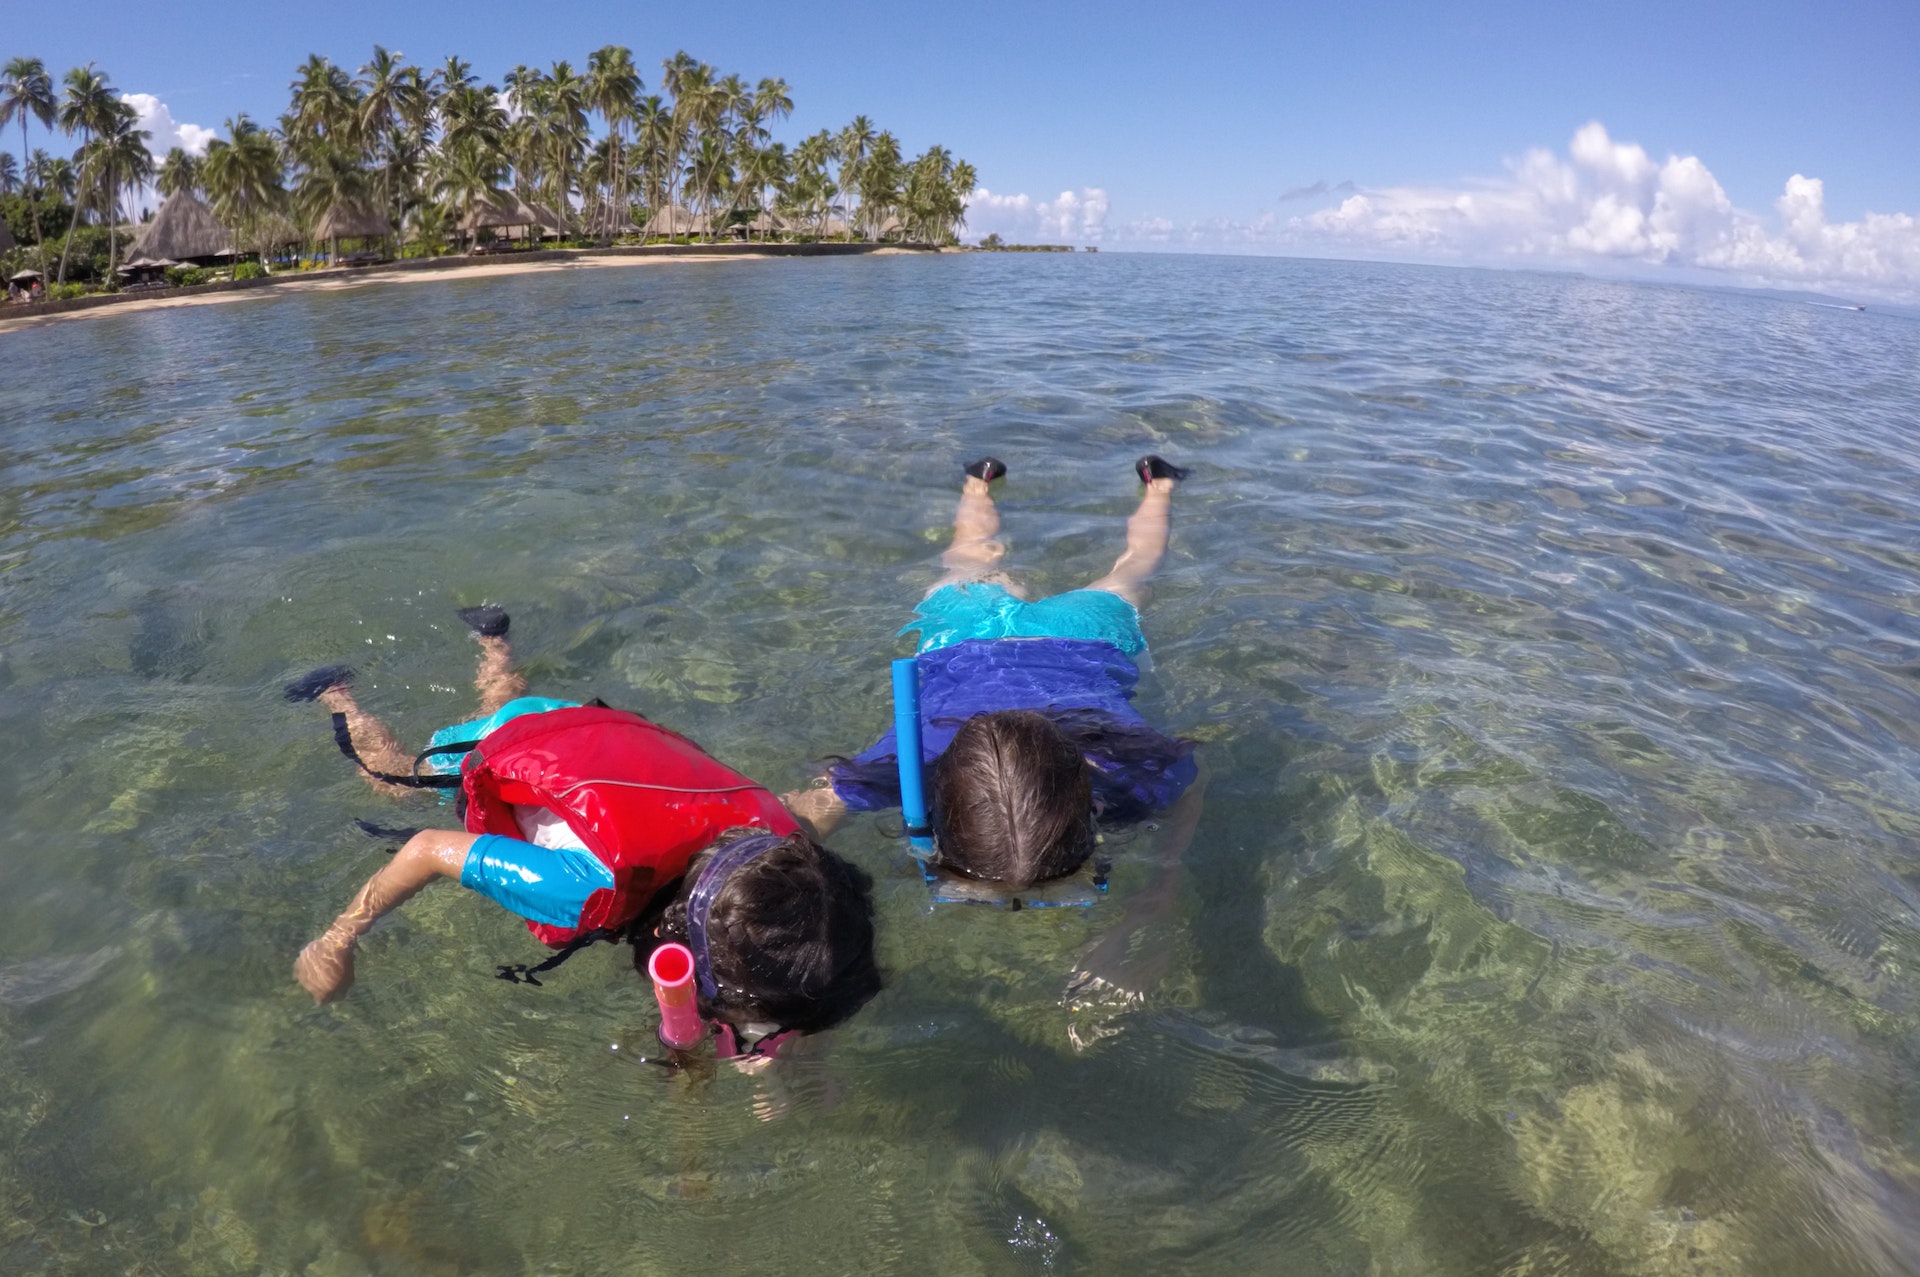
1112,964
325,967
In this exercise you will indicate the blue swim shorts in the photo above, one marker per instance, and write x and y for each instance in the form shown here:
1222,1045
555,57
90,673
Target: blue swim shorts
480,728
977,610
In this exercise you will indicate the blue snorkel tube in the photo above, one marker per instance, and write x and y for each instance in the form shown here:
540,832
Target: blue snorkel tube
906,736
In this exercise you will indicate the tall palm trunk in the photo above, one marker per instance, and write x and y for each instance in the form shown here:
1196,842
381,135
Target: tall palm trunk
113,230
33,201
66,245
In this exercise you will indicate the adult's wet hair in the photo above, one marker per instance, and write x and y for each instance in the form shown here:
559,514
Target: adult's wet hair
1122,756
789,935
1012,800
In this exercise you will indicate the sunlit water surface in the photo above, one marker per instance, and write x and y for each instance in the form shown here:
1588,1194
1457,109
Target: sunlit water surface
1551,641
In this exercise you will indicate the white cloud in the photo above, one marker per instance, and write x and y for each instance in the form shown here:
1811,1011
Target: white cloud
1075,217
156,119
1606,204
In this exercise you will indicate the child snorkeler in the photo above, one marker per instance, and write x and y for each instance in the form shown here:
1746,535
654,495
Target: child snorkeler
593,823
1027,724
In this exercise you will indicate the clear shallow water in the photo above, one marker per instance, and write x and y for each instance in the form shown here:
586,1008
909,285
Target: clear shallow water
1555,909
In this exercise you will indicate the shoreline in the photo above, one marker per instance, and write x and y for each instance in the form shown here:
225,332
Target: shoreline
425,270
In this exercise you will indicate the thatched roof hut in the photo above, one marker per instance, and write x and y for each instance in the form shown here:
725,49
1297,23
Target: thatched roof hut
344,221
607,221
674,220
765,223
892,226
492,214
834,227
545,218
183,230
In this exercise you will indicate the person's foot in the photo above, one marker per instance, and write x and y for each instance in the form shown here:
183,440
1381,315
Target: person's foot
1152,466
987,469
486,621
310,687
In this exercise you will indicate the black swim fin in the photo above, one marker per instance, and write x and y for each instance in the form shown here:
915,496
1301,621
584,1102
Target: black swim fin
487,620
1153,466
987,469
309,686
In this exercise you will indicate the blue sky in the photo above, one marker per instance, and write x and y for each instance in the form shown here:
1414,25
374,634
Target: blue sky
1184,126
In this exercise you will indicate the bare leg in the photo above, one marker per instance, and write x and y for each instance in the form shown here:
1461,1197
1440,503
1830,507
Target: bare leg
377,747
1146,544
975,552
497,681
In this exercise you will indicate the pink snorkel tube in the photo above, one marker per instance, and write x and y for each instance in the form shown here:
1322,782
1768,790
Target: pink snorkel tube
671,967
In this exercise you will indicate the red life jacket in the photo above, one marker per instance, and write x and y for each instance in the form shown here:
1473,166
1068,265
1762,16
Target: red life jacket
643,799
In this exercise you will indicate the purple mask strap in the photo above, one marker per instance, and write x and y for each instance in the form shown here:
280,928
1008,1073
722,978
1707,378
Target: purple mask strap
705,888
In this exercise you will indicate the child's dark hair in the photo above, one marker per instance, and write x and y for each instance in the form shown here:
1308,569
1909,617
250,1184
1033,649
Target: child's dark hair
789,935
1012,800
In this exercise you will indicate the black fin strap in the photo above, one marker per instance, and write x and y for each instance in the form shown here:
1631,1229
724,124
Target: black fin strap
344,739
520,973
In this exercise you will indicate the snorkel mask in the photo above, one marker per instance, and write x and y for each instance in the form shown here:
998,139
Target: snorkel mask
713,876
944,884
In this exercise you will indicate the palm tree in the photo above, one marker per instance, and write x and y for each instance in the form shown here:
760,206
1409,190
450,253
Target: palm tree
811,158
961,183
709,173
26,90
326,107
87,106
469,174
880,175
613,89
53,173
772,100
124,154
691,84
653,146
470,115
387,93
854,142
333,179
181,172
245,181
563,125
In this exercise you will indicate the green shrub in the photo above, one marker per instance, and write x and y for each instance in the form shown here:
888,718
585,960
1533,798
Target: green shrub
188,276
249,270
61,292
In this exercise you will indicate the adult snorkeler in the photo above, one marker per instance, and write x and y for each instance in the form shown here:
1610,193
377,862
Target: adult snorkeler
1029,731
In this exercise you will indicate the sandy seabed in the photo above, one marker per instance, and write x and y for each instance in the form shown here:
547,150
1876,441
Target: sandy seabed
328,281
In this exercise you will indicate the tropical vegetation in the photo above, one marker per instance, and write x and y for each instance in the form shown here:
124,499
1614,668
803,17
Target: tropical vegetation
434,156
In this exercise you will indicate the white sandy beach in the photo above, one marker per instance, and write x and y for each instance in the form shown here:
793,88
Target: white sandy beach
328,281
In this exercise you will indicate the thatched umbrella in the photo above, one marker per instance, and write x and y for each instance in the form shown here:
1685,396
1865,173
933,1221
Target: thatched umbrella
674,220
183,230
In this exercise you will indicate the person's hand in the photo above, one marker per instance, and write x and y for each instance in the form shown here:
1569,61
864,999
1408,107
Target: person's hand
1129,963
325,967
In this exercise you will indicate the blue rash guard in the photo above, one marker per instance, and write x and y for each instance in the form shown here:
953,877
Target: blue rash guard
977,676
